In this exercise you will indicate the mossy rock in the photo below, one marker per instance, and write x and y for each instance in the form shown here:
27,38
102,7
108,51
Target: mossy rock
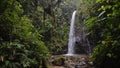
58,61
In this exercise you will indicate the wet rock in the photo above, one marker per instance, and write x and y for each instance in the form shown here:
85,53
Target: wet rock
58,61
75,61
82,63
90,63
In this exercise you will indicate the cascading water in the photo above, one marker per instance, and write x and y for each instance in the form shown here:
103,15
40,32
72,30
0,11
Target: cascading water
71,42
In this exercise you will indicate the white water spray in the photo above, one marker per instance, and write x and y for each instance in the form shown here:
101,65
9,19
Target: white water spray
71,42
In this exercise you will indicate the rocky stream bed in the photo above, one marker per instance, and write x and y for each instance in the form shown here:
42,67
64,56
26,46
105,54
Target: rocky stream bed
70,61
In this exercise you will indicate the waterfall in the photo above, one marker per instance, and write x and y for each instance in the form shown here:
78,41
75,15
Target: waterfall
71,41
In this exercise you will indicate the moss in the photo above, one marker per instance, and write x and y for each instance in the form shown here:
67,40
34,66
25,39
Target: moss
59,61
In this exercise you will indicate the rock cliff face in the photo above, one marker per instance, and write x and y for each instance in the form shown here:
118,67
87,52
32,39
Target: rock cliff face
67,61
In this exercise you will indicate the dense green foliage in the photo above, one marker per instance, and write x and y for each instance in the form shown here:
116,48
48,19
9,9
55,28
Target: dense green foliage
20,43
103,32
31,30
